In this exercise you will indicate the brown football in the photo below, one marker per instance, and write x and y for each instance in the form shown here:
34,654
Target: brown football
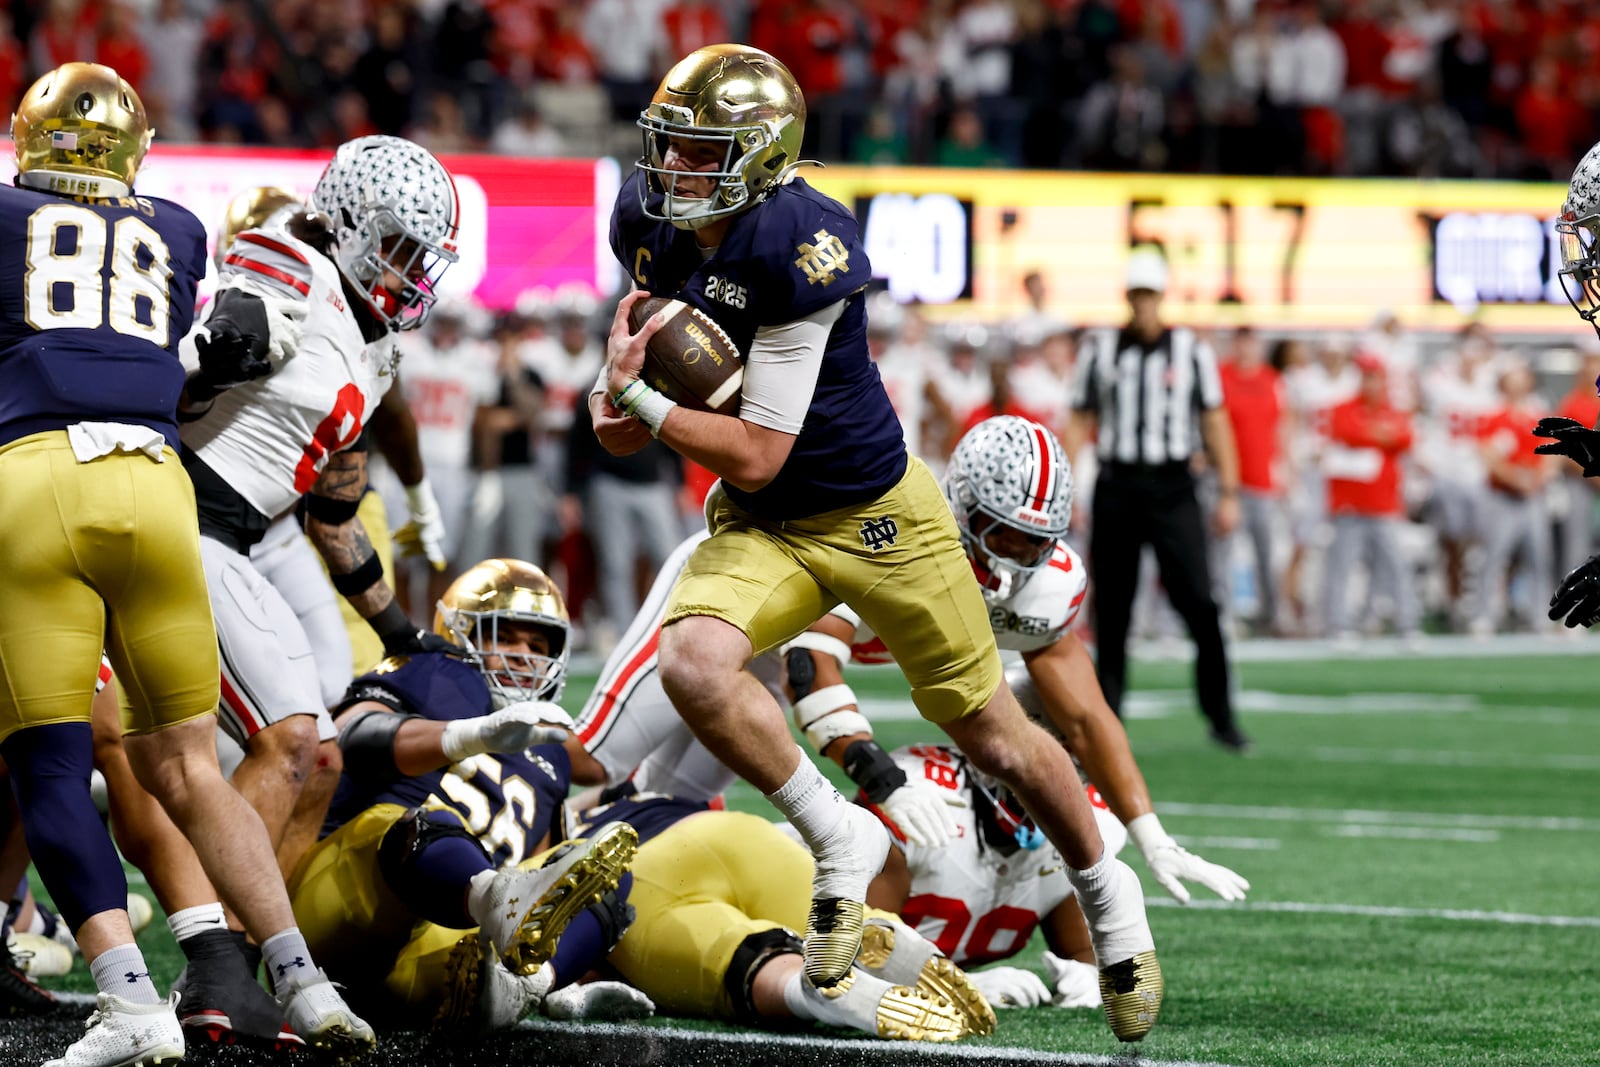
690,359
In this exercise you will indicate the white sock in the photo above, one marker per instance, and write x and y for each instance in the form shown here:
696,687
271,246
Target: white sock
200,919
1113,907
288,959
122,971
477,891
857,1008
846,859
811,803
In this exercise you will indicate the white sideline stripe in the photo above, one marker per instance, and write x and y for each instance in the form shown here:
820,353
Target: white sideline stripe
919,1052
1556,823
1377,911
1414,833
1251,844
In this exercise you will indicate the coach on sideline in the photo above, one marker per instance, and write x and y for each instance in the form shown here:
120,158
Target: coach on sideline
1146,389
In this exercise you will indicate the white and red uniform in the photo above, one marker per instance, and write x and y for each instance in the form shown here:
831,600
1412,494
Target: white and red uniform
1458,407
260,446
976,905
904,370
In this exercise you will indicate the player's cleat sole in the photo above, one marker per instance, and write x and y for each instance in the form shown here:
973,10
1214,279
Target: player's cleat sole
906,1013
463,978
481,995
578,879
901,956
942,979
1132,991
833,937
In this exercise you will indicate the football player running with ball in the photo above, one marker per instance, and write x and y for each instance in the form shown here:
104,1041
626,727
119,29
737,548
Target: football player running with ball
99,536
823,504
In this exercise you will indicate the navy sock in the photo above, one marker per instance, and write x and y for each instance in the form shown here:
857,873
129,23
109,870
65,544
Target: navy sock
50,767
592,934
429,871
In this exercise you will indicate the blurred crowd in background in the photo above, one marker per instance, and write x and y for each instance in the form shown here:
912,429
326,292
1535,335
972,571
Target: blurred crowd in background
1426,436
1465,88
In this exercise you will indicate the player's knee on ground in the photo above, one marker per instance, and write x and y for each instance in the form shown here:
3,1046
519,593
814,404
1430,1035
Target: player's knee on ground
426,859
291,744
754,953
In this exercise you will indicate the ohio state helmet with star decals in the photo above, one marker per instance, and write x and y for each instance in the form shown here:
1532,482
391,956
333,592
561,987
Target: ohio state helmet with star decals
1578,230
396,217
1010,487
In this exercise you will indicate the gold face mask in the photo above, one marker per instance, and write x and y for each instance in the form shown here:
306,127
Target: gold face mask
498,592
80,130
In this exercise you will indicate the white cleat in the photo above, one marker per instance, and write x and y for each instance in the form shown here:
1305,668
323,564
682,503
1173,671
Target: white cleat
899,955
40,956
123,1034
525,912
481,995
611,1001
846,864
316,1012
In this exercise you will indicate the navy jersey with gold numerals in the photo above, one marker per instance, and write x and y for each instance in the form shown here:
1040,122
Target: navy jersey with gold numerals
94,296
791,255
650,814
508,800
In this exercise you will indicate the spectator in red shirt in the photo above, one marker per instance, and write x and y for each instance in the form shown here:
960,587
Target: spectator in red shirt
1548,118
1367,437
1581,404
1517,519
693,24
120,46
1252,393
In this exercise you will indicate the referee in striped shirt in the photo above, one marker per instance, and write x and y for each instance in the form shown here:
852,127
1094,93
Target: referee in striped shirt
1151,393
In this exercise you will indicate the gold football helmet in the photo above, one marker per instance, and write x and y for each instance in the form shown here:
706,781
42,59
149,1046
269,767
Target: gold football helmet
80,131
251,210
507,590
735,96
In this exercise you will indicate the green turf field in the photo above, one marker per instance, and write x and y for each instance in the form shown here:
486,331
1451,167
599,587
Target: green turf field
1420,837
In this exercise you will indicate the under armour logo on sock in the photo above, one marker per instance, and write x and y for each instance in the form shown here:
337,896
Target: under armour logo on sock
134,976
298,961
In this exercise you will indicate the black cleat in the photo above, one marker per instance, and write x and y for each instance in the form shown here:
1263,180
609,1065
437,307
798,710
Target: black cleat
1232,739
221,1003
19,996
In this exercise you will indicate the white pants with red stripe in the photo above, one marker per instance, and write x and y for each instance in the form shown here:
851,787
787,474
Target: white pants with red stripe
286,559
630,726
268,670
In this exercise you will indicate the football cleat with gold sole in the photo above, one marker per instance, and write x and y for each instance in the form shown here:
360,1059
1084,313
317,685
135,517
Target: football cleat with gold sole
905,1013
481,995
1132,992
833,937
575,877
898,954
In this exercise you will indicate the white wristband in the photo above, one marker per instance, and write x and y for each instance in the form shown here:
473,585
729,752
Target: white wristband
823,716
462,738
1148,833
651,409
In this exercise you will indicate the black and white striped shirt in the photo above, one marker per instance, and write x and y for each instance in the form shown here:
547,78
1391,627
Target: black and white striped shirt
1148,400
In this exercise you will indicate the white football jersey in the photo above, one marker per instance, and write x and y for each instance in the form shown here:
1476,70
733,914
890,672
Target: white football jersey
270,438
976,904
1458,407
904,370
1034,617
567,379
444,388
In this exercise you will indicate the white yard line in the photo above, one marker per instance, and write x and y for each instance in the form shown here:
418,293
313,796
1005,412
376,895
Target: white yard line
1376,911
1442,757
1553,823
1414,833
1249,844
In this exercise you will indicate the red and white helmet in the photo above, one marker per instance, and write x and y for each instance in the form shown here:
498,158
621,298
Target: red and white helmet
1008,472
396,216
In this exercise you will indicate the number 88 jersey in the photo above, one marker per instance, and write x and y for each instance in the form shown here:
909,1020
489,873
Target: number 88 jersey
94,297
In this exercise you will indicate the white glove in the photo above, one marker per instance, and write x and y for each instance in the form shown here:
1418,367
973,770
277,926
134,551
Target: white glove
1076,985
598,1000
919,810
488,497
424,534
511,729
1011,987
1172,864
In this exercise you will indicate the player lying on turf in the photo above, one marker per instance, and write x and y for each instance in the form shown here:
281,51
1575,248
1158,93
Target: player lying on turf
432,891
719,896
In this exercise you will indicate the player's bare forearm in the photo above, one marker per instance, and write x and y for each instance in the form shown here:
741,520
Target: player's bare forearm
1065,678
891,887
344,544
1066,934
743,454
394,431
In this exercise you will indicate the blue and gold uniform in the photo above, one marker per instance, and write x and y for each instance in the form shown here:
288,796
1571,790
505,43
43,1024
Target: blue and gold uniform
344,894
99,539
850,513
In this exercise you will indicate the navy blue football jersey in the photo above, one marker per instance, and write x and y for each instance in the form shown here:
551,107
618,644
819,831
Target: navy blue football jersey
509,800
650,814
789,256
94,296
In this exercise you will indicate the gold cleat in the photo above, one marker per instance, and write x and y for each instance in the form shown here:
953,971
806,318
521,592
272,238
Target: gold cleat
463,972
579,876
942,979
1132,993
833,937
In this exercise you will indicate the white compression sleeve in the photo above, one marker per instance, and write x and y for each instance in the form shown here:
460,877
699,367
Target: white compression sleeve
781,370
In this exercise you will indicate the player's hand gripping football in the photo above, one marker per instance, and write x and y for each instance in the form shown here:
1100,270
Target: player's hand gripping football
1577,599
918,809
1172,864
1571,439
513,728
620,434
424,534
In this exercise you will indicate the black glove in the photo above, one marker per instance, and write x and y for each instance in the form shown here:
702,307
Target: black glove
235,351
1578,597
415,641
1575,441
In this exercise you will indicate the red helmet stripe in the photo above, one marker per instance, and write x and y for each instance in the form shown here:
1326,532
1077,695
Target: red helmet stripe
1043,468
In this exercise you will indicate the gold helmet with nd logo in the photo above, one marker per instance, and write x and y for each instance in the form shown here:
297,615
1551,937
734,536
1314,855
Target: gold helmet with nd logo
738,99
497,607
253,209
80,130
